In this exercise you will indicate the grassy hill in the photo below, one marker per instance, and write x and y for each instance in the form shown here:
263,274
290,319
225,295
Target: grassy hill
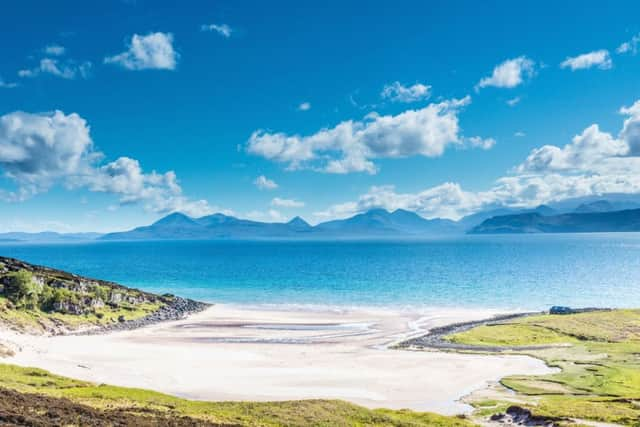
31,396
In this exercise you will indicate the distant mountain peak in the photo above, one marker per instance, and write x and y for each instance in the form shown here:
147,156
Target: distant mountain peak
298,222
174,218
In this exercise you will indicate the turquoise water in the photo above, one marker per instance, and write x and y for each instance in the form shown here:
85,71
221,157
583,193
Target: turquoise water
515,272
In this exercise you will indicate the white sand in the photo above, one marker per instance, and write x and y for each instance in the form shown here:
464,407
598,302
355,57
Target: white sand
232,353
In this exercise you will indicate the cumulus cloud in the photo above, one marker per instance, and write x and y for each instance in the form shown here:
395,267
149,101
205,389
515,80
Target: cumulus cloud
630,46
7,85
65,69
54,50
397,92
585,151
156,192
630,132
483,143
519,134
447,200
509,74
38,151
264,183
352,145
151,51
305,106
286,203
594,162
223,29
597,58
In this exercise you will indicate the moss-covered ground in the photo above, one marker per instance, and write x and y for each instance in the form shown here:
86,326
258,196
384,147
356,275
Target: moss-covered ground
597,355
141,402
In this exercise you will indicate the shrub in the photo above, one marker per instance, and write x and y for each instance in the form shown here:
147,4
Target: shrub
101,292
22,289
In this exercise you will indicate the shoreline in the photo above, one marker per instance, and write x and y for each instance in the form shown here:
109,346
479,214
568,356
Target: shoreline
178,308
240,353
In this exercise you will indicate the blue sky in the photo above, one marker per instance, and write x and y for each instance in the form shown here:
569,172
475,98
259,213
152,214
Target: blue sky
114,115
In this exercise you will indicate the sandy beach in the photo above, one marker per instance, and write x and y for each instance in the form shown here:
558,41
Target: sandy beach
244,353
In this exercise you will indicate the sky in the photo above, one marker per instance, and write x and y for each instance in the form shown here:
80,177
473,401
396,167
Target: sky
115,113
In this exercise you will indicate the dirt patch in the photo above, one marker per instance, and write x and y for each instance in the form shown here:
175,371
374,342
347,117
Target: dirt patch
34,410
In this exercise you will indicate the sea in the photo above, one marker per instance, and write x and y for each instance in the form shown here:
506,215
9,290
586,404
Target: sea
515,272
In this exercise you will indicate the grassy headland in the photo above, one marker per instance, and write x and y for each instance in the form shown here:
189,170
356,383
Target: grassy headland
37,299
598,356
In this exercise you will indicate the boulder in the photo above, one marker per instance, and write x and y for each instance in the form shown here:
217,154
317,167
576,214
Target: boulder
115,298
67,307
95,303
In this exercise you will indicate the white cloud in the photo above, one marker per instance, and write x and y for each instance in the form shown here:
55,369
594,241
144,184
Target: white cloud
513,101
7,85
586,151
630,46
483,143
597,58
54,50
509,74
156,192
270,215
223,29
286,203
151,51
630,132
447,200
397,92
593,163
38,151
305,106
264,183
351,145
64,69
519,134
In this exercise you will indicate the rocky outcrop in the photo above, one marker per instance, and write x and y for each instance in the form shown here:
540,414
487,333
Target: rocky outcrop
100,305
518,416
176,308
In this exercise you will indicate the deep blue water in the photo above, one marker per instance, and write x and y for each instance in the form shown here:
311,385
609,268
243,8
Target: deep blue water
519,272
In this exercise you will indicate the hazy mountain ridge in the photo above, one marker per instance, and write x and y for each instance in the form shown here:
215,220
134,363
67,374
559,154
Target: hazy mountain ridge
374,223
575,222
47,236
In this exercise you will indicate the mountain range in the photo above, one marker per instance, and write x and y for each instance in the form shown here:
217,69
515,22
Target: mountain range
376,223
616,213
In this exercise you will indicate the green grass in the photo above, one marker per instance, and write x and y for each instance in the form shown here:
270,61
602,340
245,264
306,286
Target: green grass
37,321
290,413
514,335
599,376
